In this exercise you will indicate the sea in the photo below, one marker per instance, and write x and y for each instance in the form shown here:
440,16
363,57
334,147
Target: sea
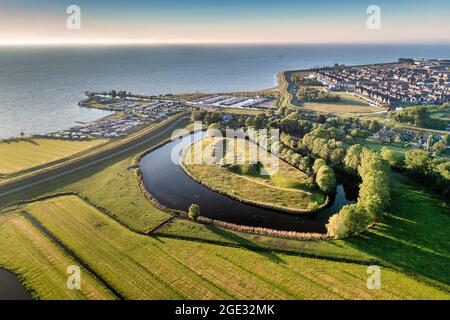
40,87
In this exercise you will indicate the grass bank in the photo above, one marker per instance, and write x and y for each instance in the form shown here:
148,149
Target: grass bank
288,188
40,264
25,154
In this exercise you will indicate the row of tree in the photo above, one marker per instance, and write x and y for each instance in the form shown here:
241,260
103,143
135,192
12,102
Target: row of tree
374,193
324,143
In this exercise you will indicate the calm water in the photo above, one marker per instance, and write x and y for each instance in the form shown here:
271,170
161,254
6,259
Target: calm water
40,87
11,288
168,183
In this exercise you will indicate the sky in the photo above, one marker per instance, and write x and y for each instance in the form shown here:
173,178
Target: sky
222,21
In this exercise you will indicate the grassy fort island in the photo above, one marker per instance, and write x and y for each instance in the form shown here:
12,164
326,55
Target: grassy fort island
225,166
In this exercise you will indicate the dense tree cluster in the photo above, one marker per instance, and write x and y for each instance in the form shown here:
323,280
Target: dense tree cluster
325,143
298,160
260,121
308,94
374,193
317,146
430,170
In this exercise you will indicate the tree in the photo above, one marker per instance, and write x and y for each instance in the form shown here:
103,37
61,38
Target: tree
352,158
429,142
260,121
194,211
308,94
394,158
359,133
444,170
249,122
350,220
304,164
318,163
326,179
295,159
371,162
198,115
418,161
374,193
447,139
438,147
374,126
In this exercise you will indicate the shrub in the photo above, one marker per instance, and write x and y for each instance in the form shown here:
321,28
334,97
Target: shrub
394,158
351,220
194,211
326,179
318,163
313,206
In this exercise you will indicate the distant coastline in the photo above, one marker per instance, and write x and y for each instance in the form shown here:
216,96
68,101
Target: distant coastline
42,95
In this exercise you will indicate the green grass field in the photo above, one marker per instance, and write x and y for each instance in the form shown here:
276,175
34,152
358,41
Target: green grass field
16,156
40,263
286,186
411,239
349,99
140,266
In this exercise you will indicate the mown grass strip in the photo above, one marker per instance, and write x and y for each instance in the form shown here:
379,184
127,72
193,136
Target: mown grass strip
69,252
40,264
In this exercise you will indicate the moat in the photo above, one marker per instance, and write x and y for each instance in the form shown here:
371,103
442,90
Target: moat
171,186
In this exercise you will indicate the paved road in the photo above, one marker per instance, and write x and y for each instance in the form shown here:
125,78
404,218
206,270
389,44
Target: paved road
87,161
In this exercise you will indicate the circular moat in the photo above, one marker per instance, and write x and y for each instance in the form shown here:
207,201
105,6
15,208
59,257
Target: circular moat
166,181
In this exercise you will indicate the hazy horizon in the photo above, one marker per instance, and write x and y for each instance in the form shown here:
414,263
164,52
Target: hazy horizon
222,22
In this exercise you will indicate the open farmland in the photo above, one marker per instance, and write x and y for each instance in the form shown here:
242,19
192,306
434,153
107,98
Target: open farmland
40,263
16,156
140,266
286,186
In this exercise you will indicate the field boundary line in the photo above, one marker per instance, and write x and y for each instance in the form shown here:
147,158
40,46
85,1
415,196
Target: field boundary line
154,229
37,224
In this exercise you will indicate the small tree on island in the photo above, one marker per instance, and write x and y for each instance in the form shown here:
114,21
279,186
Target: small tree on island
194,211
